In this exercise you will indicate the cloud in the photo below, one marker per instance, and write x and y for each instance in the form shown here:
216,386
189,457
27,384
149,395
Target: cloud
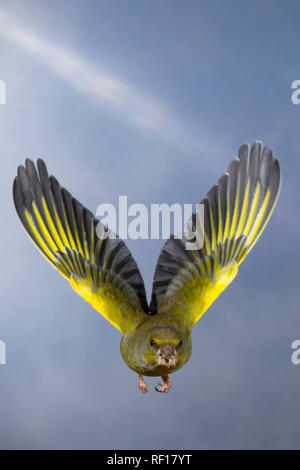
137,108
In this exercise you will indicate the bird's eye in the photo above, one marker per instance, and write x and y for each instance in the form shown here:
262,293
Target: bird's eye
152,342
180,344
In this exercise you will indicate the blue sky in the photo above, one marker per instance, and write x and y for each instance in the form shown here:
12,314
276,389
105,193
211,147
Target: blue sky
151,100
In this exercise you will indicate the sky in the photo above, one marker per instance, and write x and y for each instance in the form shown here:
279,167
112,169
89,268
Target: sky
151,100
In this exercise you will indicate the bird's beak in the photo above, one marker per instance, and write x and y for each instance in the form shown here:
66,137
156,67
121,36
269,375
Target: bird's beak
166,355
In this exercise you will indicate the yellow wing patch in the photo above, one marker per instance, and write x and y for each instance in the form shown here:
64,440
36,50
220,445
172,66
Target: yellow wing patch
111,302
197,295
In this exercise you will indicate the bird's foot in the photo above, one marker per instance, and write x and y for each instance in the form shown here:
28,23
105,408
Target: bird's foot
165,386
142,384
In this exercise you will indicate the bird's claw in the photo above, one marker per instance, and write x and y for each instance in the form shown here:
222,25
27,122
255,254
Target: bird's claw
142,385
162,388
165,386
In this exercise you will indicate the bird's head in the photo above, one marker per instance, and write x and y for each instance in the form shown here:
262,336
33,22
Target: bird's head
164,347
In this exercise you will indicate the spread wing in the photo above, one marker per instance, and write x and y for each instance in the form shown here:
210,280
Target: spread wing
102,271
236,211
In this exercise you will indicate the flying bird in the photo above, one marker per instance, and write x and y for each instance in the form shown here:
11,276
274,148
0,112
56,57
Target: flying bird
156,338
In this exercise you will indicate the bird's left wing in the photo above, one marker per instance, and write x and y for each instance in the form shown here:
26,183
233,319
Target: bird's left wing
102,271
236,210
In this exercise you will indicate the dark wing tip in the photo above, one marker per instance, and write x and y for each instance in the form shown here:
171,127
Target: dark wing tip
28,161
43,172
17,194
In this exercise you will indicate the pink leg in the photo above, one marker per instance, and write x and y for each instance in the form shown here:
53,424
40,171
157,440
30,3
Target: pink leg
165,386
142,384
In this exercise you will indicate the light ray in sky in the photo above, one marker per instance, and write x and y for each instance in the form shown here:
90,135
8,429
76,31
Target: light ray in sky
133,105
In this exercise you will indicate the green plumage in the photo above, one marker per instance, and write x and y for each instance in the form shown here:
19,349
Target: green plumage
156,340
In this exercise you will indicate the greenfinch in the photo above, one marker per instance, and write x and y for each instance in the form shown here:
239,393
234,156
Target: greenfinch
156,338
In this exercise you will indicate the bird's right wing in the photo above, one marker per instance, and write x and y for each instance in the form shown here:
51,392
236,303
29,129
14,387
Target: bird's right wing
102,271
236,211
